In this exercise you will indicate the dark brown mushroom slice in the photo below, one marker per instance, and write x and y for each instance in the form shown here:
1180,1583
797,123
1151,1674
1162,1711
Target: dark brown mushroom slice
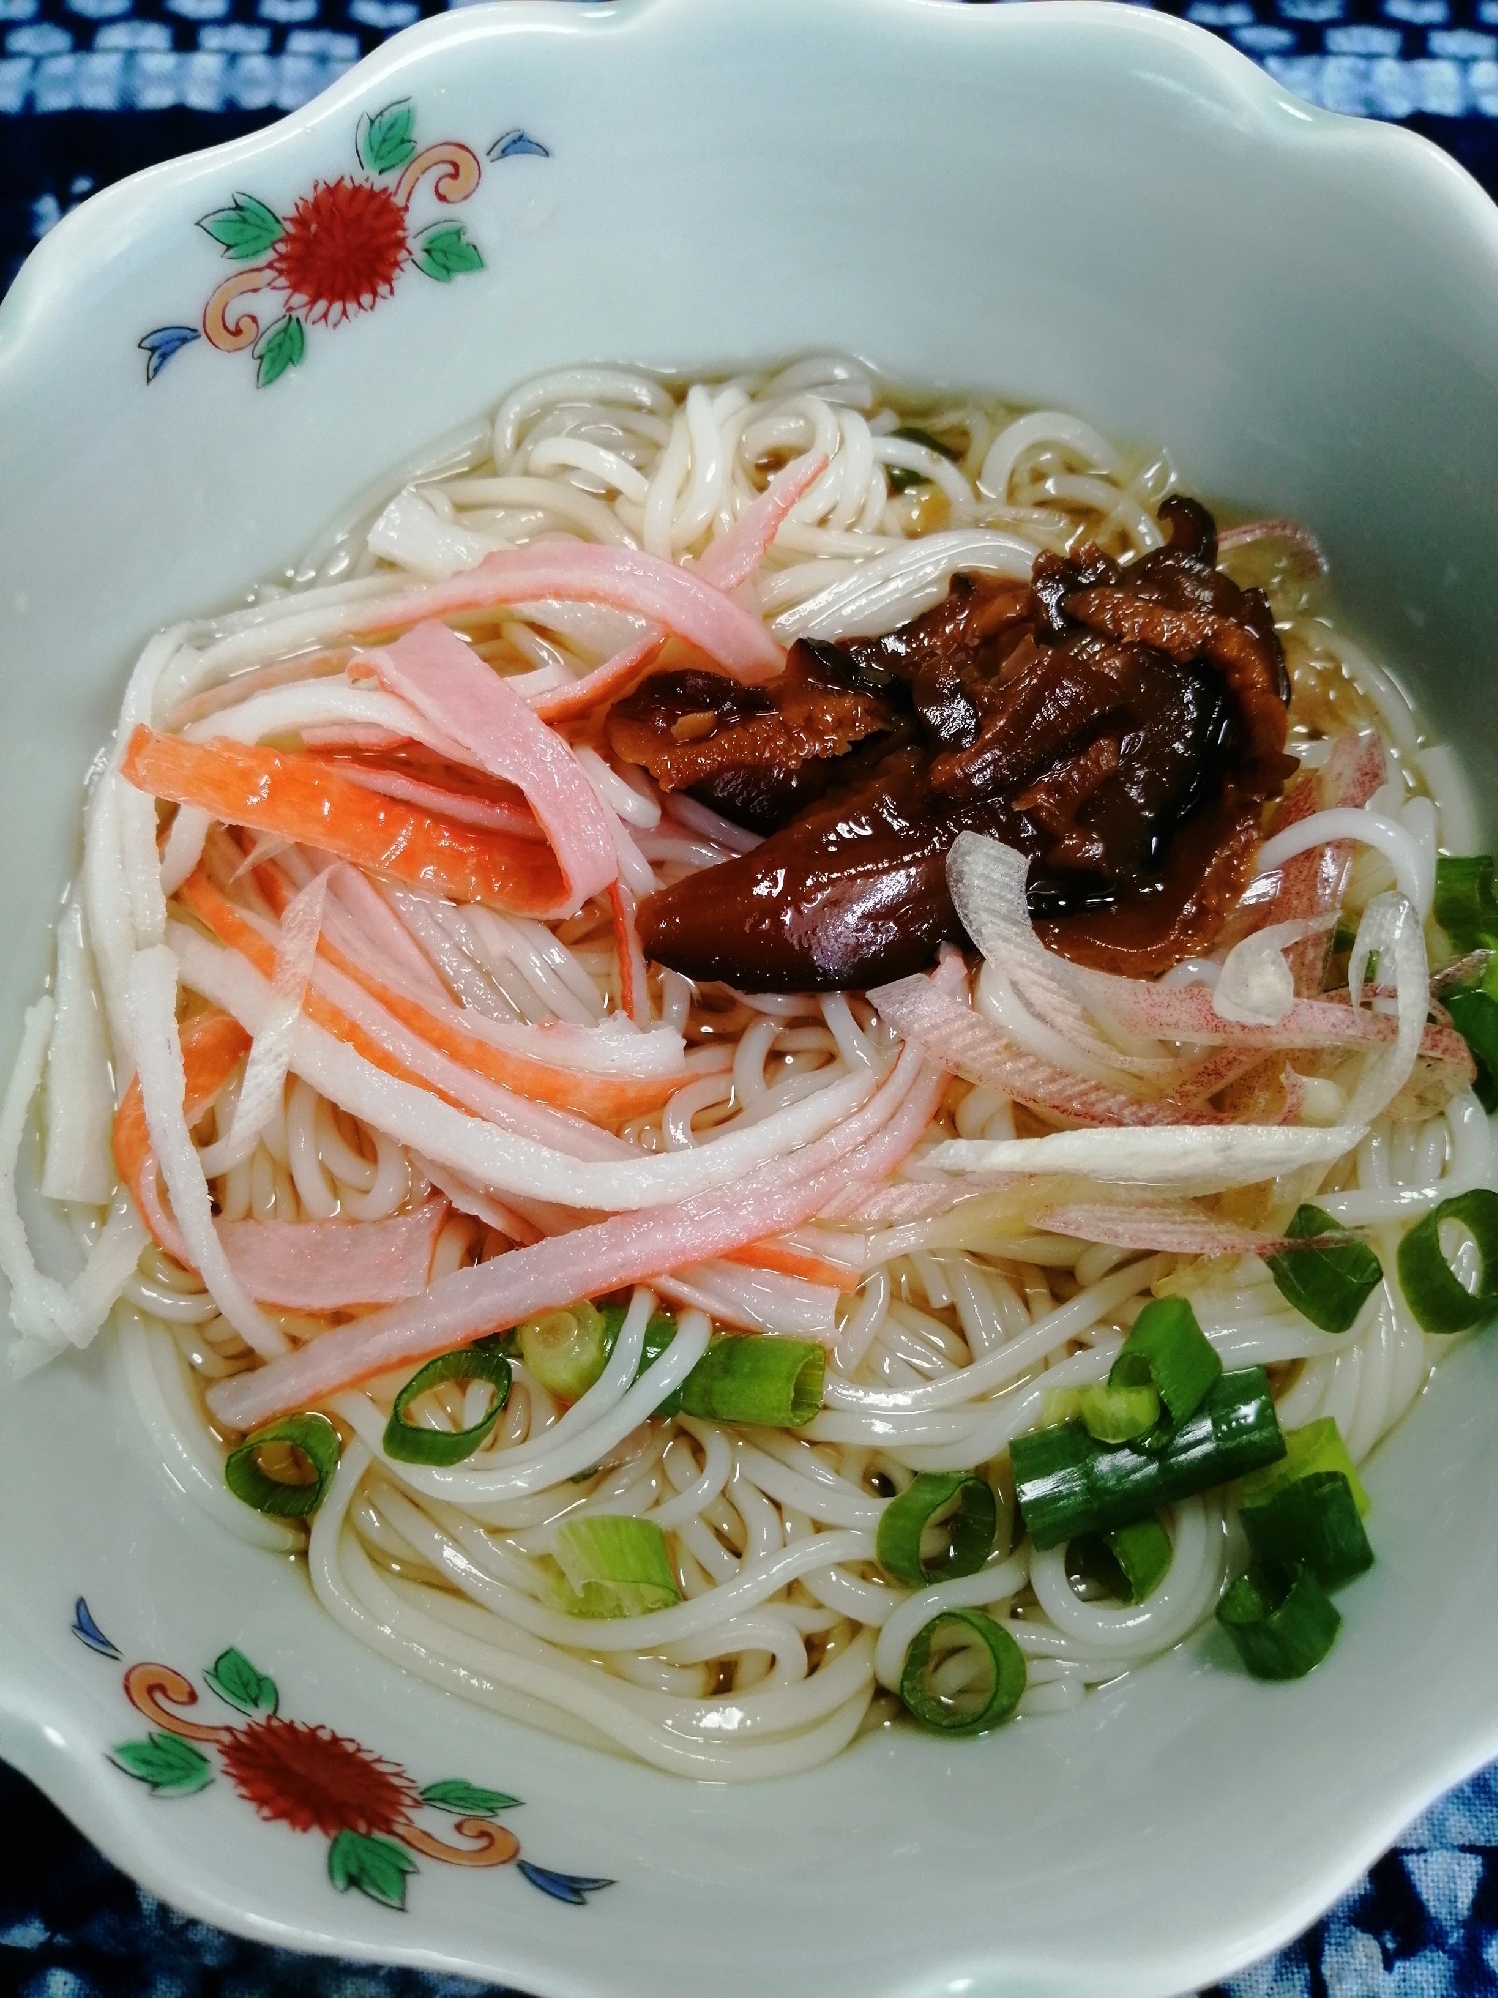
1122,723
853,891
759,753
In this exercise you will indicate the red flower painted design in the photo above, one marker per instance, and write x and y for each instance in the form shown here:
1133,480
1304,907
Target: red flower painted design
310,1777
341,250
314,1780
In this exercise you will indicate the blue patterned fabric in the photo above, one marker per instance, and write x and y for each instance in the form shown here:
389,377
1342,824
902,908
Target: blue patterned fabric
91,90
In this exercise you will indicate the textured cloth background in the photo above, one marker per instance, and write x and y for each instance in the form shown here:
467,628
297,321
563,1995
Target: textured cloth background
91,90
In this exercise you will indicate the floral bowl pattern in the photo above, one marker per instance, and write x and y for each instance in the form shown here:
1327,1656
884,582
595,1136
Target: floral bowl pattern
1086,205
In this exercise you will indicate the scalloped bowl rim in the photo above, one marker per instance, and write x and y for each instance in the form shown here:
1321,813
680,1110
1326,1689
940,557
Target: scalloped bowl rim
36,1725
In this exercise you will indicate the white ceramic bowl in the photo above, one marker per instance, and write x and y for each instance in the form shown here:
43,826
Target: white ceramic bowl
1079,205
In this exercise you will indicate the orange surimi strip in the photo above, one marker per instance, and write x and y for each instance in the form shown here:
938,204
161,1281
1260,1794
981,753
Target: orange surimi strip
796,1263
213,1045
604,1099
302,800
228,924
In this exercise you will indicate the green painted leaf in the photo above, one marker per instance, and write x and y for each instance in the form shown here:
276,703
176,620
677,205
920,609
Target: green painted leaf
236,1680
376,1866
245,229
466,1800
173,1767
386,139
445,252
279,347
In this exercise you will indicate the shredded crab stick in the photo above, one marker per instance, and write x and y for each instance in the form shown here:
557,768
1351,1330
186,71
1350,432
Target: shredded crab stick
591,1261
486,1152
301,1266
213,1046
632,992
330,1265
467,1039
622,579
444,680
726,564
299,798
463,807
342,1007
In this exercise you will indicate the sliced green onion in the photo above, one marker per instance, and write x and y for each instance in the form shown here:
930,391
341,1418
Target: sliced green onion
1068,1484
775,1383
615,1566
565,1350
1168,1350
1281,1619
1475,1017
1060,1405
1130,1562
901,478
307,1447
960,1506
1327,1281
1466,906
1118,1414
937,1682
1432,1289
1309,1450
1315,1520
412,1442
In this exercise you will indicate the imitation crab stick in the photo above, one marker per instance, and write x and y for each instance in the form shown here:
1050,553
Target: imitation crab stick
728,562
592,1260
299,798
786,1261
603,1099
579,572
444,680
213,1045
340,1006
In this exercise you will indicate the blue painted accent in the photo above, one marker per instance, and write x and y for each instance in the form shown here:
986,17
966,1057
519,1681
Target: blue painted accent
573,1888
84,1628
160,346
512,144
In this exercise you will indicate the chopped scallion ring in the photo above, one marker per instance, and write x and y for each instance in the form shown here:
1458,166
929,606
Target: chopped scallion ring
1282,1621
615,1566
1475,1017
773,1382
302,1452
1130,1562
1332,1277
1466,906
1314,1520
1434,1293
566,1350
413,1444
1115,1414
1167,1350
958,1504
1314,1447
940,1684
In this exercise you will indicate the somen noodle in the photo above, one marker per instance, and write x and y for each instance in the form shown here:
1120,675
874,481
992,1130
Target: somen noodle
580,986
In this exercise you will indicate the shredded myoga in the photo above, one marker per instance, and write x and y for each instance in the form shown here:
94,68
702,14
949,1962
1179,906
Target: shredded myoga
769,1061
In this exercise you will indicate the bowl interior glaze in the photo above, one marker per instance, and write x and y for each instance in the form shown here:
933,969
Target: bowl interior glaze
1082,205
